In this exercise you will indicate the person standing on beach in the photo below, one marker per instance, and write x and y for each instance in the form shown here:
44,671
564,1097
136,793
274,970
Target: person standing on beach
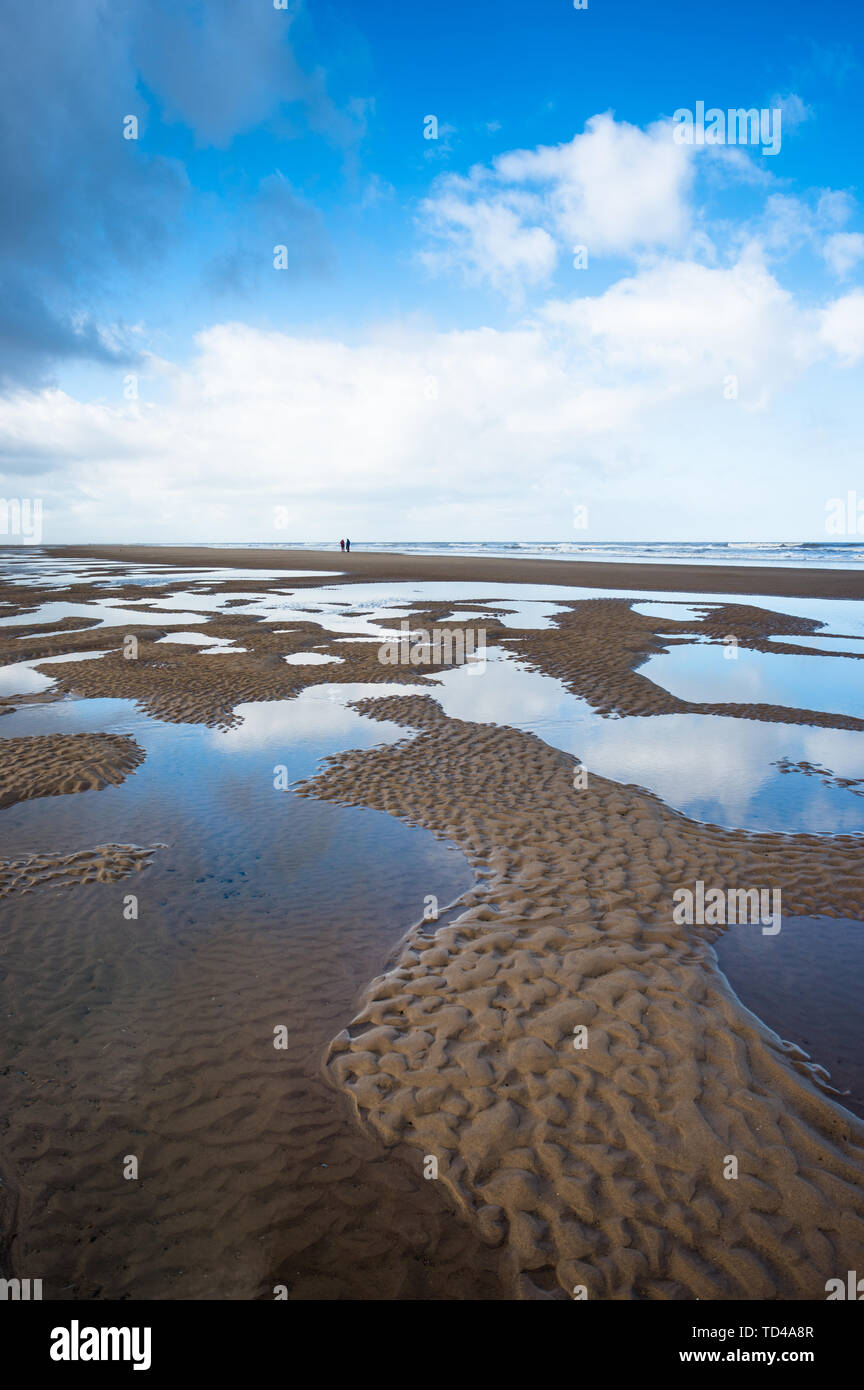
342,545
347,545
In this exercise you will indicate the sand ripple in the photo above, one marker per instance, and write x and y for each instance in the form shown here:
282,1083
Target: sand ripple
56,764
601,1167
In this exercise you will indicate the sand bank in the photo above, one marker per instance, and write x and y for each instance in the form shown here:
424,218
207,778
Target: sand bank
602,1167
59,765
56,764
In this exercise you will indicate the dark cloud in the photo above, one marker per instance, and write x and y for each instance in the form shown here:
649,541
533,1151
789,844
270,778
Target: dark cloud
30,332
79,202
277,216
82,207
221,67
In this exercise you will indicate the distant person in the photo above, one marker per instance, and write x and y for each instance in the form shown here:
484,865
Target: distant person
342,545
347,545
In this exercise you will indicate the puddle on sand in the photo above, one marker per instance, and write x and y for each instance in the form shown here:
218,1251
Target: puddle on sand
195,639
711,767
843,646
680,612
264,909
208,577
530,605
22,678
38,569
708,674
312,659
106,614
806,983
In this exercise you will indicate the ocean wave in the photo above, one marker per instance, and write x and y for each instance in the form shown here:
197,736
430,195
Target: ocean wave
826,554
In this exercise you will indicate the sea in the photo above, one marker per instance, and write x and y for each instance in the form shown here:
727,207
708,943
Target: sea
817,554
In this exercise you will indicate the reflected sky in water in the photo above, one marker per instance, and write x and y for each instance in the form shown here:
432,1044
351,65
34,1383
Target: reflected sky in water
849,644
710,673
806,983
710,767
235,837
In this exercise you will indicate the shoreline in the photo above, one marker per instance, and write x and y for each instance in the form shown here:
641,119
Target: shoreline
776,582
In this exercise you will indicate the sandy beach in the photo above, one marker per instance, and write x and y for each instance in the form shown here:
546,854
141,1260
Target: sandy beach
702,579
569,1055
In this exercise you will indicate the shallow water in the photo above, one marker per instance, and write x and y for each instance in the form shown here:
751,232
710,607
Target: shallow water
849,645
198,780
312,659
106,614
715,769
214,576
680,612
22,678
261,907
35,568
710,767
194,639
806,983
712,673
839,615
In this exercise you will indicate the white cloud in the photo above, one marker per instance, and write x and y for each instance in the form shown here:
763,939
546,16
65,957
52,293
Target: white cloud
694,324
788,224
842,326
599,399
843,251
618,190
795,111
834,208
615,189
489,239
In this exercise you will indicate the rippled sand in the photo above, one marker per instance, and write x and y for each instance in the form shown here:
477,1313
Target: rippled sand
601,1166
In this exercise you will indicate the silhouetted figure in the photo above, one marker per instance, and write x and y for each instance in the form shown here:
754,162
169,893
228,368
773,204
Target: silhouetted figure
342,545
347,545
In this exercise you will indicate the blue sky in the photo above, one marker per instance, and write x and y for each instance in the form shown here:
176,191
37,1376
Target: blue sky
429,364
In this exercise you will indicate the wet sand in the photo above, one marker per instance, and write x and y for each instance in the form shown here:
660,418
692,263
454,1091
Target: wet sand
703,579
600,1167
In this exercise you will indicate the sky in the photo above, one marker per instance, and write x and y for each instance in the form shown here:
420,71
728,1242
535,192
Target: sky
286,271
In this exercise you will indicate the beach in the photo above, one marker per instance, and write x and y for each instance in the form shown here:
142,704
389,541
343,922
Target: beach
225,818
705,579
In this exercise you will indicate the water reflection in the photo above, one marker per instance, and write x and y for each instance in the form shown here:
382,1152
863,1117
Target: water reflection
806,983
22,678
709,673
710,767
